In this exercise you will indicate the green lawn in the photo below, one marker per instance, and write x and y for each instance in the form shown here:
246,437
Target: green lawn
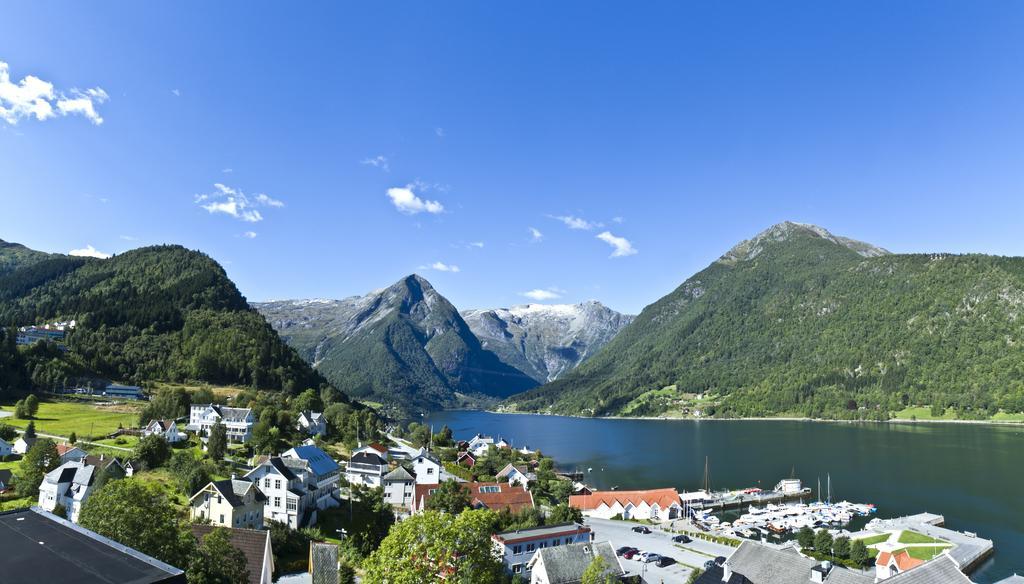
120,442
923,413
875,539
925,552
1006,417
915,537
162,480
61,418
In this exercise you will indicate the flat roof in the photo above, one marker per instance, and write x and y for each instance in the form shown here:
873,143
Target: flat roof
541,532
40,547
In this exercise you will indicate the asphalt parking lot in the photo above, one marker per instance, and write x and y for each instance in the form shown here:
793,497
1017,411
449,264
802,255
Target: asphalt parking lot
687,556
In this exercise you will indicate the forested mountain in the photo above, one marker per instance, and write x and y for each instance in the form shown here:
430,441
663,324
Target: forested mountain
546,340
405,345
15,255
798,321
155,313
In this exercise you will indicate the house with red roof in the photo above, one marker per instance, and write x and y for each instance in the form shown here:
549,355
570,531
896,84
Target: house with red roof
495,496
655,504
889,564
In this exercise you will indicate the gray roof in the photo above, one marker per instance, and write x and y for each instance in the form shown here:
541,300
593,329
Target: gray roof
767,565
234,489
565,564
539,531
400,474
71,472
226,413
323,559
368,458
282,468
941,570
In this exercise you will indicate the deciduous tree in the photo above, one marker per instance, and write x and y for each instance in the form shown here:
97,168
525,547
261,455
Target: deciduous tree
216,561
217,445
40,459
153,451
450,497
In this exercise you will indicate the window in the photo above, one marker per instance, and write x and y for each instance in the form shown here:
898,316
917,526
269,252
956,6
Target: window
490,489
543,544
517,568
291,505
277,484
220,499
430,471
517,549
431,491
568,540
555,543
530,547
266,483
277,501
222,518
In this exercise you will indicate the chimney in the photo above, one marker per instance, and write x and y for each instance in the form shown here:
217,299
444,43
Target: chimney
102,456
233,476
820,572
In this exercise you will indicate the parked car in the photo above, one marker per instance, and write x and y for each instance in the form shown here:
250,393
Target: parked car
642,529
622,550
682,538
632,552
664,561
649,557
710,565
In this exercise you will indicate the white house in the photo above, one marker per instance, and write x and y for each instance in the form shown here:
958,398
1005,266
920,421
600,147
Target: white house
238,421
68,485
166,428
566,563
516,475
6,448
655,504
229,503
22,444
378,449
324,471
70,453
480,444
516,548
399,487
288,485
426,467
312,423
366,468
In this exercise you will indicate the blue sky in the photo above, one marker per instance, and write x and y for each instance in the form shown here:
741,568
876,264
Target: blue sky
387,138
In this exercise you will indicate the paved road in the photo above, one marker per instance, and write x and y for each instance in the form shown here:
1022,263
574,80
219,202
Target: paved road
694,554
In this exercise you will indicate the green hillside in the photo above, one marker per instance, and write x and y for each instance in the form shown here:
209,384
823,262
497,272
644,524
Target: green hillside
15,255
155,313
799,322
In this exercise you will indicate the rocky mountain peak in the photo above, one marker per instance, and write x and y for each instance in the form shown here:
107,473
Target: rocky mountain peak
789,230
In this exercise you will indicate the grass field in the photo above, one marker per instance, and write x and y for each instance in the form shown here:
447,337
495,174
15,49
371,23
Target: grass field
225,391
122,441
925,413
61,418
915,537
875,539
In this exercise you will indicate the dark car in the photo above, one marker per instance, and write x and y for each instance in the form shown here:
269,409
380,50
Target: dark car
682,539
622,550
642,529
710,565
632,552
720,561
664,561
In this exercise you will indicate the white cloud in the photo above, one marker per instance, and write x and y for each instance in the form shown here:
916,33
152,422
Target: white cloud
89,252
541,294
249,235
263,199
622,245
34,98
234,203
380,162
618,220
227,170
129,238
535,235
176,92
576,222
442,267
439,132
476,244
406,201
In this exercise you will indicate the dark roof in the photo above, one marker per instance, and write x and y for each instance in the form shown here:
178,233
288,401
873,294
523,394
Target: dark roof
251,542
369,458
323,562
70,554
282,468
5,476
400,474
234,489
103,464
714,576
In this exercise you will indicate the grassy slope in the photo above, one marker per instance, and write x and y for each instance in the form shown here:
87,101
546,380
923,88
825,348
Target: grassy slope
85,419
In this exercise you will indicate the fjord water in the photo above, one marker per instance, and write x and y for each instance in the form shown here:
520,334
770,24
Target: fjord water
971,474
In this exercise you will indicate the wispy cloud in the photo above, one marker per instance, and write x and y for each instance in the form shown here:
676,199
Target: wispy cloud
618,220
442,267
34,98
405,200
439,132
379,161
235,203
535,235
622,245
227,170
176,92
573,222
249,235
541,294
89,252
476,244
128,237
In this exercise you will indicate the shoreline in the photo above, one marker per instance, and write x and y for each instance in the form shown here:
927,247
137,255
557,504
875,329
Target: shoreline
902,421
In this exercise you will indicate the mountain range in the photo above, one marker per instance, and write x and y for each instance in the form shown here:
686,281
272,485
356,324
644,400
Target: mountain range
408,347
798,321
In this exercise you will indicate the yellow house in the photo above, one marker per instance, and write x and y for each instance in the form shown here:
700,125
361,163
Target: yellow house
229,503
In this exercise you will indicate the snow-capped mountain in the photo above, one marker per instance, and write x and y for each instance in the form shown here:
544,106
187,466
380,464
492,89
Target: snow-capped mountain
546,340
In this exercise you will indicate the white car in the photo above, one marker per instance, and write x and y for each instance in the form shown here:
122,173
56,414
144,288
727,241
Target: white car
646,557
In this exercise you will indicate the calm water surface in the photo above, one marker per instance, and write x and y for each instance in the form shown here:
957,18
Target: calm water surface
971,474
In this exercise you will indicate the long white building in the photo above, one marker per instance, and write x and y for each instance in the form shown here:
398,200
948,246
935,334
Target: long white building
237,421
